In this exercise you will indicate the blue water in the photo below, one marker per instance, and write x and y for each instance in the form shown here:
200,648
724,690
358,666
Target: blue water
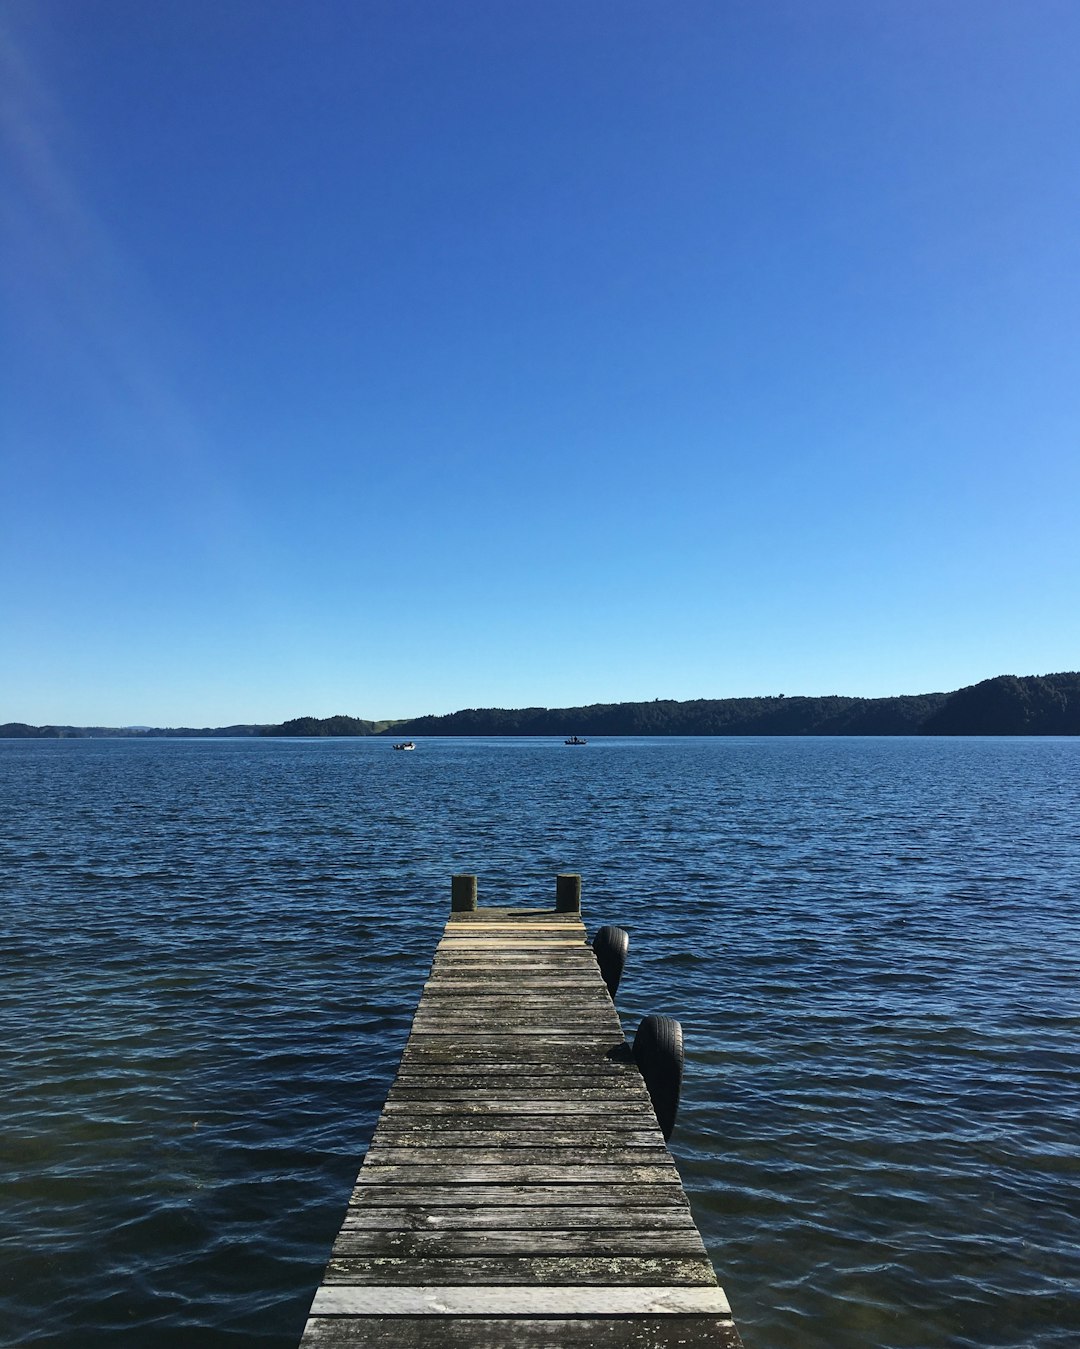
210,952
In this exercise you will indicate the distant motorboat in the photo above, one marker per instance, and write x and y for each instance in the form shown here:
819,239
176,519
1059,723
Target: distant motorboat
575,740
405,744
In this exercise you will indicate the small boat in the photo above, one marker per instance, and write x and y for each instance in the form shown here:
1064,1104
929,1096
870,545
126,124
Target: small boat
405,744
575,740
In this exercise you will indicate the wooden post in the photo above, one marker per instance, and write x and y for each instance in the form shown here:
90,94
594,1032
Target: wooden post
462,893
568,892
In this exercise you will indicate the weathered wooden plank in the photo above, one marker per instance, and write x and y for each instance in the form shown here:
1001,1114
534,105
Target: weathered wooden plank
497,913
490,997
562,951
465,1332
618,1118
477,1241
530,1218
442,1067
485,1016
587,1000
496,1106
522,1026
389,1135
472,963
517,1173
541,918
516,942
571,1083
442,1056
507,943
398,1135
497,932
615,1113
523,925
448,1093
500,1300
533,1131
570,940
463,1030
594,1021
509,988
503,913
557,951
509,1057
599,1043
434,1196
513,932
619,1109
553,1270
502,977
515,1055
564,989
511,978
600,1039
432,1155
462,966
465,919
429,1074
604,1073
585,1088
489,993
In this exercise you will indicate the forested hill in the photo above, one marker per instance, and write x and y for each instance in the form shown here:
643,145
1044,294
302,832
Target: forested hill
1008,705
1011,705
299,726
702,716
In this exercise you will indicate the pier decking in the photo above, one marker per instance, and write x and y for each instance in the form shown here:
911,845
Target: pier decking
518,1190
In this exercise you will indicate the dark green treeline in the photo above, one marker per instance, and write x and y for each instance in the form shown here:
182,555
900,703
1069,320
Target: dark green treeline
1008,705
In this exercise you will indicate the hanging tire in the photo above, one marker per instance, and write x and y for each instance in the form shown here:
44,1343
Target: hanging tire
610,946
658,1053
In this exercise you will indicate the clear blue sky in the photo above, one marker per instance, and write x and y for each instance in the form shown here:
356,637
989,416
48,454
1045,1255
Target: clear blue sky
385,358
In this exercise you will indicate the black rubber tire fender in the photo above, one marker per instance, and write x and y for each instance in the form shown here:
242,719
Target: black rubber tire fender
658,1053
610,946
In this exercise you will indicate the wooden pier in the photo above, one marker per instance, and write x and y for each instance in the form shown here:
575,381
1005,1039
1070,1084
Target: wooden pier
518,1190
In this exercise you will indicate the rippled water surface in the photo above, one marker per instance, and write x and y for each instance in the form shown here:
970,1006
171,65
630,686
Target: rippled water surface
210,952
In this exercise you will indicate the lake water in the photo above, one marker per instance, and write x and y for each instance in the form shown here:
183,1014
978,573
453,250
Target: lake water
210,952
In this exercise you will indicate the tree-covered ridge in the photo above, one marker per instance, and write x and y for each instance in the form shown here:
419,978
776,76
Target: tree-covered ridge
1006,705
1012,705
701,716
340,725
299,726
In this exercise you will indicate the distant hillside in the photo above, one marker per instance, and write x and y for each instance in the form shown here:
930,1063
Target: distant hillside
1011,705
329,726
1007,705
306,726
701,716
